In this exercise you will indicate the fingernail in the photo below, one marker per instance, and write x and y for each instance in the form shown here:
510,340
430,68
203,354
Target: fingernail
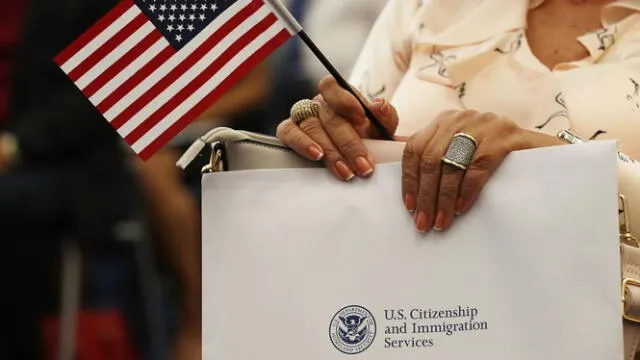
363,166
385,108
422,222
344,171
409,203
439,224
315,153
459,206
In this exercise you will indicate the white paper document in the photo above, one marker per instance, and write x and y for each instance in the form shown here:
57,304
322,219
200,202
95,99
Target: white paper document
297,265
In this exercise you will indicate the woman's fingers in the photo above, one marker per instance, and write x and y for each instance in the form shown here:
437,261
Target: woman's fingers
343,103
440,181
330,138
386,114
476,177
411,176
311,140
430,172
335,136
347,141
292,136
448,194
333,159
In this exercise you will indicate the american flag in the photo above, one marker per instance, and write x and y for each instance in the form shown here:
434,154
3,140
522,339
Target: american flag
152,66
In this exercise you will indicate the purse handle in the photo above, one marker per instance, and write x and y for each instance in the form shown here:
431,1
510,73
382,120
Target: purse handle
220,138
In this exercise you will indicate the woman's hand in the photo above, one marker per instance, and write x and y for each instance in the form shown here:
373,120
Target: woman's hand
433,190
335,136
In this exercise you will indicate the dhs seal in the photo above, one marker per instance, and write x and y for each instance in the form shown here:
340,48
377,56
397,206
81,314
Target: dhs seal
352,329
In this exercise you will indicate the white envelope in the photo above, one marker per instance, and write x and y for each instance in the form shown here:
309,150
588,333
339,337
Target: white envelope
297,265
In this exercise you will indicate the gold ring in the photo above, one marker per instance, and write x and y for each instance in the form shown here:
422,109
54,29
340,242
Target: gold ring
303,110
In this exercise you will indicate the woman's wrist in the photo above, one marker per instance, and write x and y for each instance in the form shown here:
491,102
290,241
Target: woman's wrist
538,139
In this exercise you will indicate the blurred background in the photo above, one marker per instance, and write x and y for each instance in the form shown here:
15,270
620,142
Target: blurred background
102,251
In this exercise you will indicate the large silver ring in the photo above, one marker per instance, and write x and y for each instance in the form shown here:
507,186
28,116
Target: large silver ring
461,150
303,110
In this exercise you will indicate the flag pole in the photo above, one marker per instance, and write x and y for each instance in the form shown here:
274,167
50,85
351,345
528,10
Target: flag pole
295,27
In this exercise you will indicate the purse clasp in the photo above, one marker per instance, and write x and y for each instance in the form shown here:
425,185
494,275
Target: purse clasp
626,237
217,161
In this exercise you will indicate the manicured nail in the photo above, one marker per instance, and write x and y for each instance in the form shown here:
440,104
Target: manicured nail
384,107
459,206
422,222
315,153
363,166
409,203
344,171
439,224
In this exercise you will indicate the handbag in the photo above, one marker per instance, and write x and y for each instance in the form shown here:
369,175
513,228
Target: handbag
233,150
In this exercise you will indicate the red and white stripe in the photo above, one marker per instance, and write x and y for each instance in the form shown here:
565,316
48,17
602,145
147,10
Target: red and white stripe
148,91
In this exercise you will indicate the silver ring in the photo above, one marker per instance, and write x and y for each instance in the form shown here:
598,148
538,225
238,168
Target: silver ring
461,150
304,109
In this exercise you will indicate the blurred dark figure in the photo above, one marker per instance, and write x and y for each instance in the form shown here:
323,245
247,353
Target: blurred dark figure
63,171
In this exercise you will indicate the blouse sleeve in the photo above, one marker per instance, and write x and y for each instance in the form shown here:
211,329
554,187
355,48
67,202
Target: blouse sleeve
386,54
